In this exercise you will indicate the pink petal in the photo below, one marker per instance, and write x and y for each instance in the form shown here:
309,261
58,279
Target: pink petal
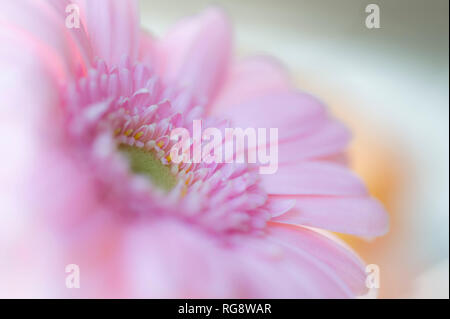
293,113
39,26
277,268
147,49
278,206
251,268
113,28
157,257
79,43
250,78
329,138
196,52
313,178
361,216
343,262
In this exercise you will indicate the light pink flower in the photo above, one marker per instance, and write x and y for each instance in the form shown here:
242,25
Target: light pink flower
70,97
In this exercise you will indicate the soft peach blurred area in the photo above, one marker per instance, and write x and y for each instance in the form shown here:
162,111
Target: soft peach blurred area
390,86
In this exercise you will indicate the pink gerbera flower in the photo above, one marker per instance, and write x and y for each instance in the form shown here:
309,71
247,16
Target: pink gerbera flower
87,177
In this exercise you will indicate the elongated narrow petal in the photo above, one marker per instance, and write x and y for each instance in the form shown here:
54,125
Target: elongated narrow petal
195,54
113,28
39,26
292,112
251,78
344,263
313,178
361,216
327,139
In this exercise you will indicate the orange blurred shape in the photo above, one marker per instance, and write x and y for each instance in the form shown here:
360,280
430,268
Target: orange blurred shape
373,157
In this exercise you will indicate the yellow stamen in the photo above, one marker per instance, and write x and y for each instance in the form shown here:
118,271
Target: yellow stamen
138,135
128,132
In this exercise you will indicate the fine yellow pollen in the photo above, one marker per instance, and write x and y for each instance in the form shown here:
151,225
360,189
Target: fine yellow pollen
160,144
168,158
138,135
128,132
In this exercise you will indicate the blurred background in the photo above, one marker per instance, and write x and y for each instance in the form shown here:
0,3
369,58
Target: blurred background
390,86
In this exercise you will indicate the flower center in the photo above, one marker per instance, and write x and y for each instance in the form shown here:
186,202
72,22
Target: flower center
126,109
146,163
